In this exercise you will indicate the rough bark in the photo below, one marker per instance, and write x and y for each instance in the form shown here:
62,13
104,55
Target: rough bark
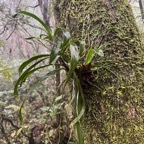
141,5
114,103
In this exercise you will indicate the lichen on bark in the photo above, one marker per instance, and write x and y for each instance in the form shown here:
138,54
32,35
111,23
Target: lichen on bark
114,103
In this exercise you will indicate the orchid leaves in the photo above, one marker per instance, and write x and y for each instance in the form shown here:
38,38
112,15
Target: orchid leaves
69,53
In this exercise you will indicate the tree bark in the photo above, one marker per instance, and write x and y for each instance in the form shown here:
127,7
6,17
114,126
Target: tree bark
114,101
45,9
141,4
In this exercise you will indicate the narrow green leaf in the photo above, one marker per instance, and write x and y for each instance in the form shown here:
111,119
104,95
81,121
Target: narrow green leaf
90,55
19,131
80,134
81,47
99,52
29,38
80,101
74,61
65,41
77,121
24,64
25,75
81,108
57,31
16,86
48,38
20,114
65,44
40,21
55,50
54,54
65,57
75,42
32,71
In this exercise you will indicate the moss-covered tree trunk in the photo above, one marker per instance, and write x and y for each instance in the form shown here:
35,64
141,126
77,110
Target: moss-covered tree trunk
115,101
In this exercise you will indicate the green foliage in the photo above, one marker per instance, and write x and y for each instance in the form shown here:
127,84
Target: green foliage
69,53
91,53
49,34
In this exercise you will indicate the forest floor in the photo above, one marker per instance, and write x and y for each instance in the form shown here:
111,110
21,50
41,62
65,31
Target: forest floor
46,120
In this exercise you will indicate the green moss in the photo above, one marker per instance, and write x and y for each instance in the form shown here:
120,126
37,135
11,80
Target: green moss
114,104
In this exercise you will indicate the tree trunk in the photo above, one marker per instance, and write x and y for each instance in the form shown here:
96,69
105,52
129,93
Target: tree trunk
141,5
114,103
45,9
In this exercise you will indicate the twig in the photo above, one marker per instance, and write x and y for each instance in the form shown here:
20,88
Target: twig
33,6
12,31
4,28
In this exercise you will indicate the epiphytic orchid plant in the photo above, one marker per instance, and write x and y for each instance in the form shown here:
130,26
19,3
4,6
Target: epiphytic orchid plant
71,56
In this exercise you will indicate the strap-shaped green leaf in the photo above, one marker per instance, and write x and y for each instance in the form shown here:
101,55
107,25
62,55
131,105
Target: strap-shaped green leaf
81,47
65,57
33,70
55,50
57,31
65,44
79,110
74,60
90,55
99,52
80,102
25,74
54,54
20,114
30,38
26,63
40,21
79,133
65,41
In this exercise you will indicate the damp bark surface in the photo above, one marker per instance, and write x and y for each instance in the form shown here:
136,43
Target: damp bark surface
115,99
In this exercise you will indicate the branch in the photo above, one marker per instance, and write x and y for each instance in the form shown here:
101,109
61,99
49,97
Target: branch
4,28
12,31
